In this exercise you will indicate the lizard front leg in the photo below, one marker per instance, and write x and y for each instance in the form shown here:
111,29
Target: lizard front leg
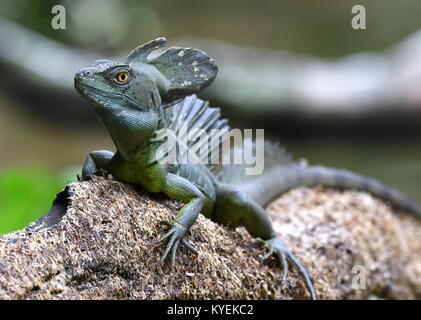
179,188
96,163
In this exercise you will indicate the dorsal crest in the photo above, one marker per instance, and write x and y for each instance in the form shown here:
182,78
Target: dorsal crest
200,129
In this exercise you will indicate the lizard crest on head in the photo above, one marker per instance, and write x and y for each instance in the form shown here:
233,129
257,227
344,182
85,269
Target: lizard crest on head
145,83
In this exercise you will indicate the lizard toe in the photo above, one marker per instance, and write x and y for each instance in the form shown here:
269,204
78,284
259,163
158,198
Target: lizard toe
189,246
277,248
175,236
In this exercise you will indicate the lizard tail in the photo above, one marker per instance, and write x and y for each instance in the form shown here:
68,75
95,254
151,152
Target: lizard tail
281,179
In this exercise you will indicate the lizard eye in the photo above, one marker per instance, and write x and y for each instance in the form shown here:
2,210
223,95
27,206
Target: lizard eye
122,77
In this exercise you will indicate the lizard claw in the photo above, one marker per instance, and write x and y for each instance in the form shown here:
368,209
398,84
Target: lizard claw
175,235
81,177
260,241
100,173
189,246
166,222
284,255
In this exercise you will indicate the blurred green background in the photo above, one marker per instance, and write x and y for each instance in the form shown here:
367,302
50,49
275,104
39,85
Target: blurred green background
40,154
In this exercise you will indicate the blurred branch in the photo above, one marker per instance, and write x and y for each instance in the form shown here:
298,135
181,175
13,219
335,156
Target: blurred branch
357,83
259,81
44,61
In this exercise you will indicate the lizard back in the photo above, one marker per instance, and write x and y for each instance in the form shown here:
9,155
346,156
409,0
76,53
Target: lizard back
201,128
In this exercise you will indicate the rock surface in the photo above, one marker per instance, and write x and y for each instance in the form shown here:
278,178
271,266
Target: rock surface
99,244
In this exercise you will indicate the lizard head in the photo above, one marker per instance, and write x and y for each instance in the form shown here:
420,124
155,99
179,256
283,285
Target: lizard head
143,84
112,86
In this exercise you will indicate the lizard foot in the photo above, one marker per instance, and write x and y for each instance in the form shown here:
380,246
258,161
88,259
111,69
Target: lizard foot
100,172
175,235
281,252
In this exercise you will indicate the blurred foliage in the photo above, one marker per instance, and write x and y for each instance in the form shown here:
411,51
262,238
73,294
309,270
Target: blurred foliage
319,27
27,193
316,27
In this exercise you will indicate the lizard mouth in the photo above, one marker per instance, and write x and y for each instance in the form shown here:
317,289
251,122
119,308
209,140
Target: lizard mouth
93,93
79,88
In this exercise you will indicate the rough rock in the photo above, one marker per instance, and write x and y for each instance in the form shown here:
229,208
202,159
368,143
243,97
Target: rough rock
98,243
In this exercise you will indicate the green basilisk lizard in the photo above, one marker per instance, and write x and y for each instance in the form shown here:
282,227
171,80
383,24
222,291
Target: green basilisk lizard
141,98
